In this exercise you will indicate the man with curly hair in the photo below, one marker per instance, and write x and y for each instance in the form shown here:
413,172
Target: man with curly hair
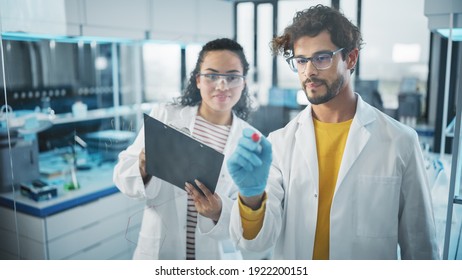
342,180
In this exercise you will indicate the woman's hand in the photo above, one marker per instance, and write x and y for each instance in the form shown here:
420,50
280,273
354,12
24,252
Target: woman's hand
142,166
208,205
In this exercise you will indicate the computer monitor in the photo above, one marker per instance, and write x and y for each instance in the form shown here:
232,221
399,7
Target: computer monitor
369,92
409,84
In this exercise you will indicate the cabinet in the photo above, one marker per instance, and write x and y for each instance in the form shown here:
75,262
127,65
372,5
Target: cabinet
101,229
178,20
43,17
93,222
109,18
106,18
191,21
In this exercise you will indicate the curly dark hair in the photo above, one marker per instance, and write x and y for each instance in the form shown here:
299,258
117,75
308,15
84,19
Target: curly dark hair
192,96
311,22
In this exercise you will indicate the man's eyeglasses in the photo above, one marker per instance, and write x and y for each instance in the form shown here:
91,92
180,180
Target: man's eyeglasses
229,80
320,61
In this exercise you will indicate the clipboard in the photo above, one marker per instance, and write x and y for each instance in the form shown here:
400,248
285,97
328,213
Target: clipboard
176,157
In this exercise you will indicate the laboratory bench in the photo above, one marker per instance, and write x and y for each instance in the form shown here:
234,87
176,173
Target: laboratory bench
95,221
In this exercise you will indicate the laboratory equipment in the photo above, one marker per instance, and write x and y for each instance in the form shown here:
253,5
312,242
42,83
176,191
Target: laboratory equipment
108,143
19,153
39,190
21,165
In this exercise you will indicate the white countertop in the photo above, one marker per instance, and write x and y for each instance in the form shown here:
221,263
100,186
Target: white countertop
94,184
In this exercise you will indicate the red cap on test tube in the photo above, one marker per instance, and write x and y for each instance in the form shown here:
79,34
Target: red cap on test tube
255,137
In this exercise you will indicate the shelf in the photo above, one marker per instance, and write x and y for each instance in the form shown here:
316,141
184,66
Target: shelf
458,199
104,113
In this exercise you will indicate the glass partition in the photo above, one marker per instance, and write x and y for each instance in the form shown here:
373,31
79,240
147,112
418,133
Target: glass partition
69,106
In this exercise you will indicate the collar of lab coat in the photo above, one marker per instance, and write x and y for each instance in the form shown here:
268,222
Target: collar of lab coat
187,119
363,116
358,136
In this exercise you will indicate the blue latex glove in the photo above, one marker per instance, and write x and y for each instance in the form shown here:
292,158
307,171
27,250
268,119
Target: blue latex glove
250,163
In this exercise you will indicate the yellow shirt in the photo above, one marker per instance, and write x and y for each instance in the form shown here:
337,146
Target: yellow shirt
330,143
252,220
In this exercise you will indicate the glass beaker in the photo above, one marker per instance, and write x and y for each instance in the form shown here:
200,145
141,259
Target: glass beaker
70,175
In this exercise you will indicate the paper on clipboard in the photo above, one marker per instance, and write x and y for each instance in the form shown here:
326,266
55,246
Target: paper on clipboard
177,158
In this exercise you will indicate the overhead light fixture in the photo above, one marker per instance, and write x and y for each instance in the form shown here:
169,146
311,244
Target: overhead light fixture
406,53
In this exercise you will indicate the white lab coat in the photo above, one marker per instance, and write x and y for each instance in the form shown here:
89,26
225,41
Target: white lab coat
381,198
163,229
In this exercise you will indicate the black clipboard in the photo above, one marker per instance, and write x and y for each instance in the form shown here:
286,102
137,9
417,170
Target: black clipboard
176,157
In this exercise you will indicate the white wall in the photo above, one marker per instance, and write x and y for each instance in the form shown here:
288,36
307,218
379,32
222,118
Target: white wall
405,25
191,20
385,24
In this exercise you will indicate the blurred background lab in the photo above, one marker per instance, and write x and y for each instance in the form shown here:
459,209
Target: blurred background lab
77,75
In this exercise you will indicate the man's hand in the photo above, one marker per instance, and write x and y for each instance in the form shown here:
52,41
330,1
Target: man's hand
250,163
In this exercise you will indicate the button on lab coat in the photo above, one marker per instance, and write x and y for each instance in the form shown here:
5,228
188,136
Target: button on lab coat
381,198
163,230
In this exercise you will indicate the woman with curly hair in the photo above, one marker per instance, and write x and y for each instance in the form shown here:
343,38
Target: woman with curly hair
190,225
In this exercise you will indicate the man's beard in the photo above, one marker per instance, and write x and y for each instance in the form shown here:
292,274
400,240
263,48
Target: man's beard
331,90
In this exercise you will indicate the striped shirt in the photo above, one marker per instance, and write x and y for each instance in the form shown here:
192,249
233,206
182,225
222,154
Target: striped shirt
215,136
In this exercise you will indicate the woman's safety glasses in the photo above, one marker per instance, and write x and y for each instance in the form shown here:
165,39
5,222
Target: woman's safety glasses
320,61
227,80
